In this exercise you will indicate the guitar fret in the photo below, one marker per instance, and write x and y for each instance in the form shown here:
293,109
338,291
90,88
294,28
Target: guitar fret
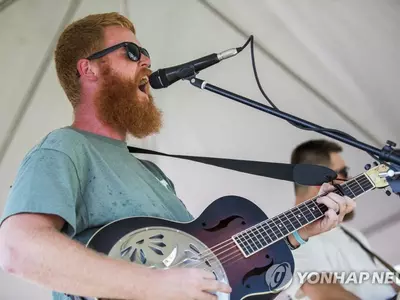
256,239
305,211
263,239
266,236
359,185
240,242
246,244
281,225
316,208
294,220
265,233
365,183
355,187
249,249
272,230
347,191
253,242
300,217
281,233
311,210
249,240
290,224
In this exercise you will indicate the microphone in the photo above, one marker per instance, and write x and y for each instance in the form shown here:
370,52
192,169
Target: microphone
163,78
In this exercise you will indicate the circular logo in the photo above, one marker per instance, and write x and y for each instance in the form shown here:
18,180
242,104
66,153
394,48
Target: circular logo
278,276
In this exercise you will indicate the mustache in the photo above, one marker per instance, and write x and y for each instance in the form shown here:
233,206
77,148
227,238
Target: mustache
142,73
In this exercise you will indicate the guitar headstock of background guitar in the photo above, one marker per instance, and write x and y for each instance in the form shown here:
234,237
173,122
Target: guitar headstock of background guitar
384,175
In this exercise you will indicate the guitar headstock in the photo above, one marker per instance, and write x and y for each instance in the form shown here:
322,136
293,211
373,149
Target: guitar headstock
375,175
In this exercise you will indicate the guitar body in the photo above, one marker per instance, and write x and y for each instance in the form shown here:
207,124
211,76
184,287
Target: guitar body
159,243
232,238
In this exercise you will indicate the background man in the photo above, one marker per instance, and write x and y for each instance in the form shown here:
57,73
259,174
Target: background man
333,250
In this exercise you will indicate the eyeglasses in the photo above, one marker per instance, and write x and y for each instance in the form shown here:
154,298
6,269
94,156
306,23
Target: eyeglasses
344,172
133,51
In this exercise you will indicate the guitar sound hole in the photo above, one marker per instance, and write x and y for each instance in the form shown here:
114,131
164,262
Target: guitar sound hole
158,237
215,275
193,247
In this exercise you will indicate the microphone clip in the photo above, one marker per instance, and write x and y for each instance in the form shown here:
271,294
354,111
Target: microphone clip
188,73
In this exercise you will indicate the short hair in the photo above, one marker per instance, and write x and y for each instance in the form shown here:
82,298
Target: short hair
78,40
315,152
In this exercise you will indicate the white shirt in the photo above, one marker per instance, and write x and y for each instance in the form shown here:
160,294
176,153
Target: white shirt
335,251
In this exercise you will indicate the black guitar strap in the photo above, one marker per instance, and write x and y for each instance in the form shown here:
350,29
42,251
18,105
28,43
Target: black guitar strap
280,171
275,170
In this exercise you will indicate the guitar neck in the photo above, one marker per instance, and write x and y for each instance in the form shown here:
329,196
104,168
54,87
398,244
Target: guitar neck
269,231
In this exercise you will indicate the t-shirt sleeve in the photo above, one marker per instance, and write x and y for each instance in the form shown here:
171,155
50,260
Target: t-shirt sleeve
309,259
46,183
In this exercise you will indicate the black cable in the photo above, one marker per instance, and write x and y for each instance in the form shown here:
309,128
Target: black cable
320,130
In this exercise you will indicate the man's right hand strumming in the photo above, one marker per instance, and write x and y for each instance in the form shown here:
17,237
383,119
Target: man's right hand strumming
184,284
56,262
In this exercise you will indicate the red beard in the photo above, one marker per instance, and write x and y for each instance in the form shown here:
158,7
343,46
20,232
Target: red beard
121,105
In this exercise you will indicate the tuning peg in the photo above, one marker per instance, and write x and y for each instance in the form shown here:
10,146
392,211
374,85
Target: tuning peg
391,144
367,166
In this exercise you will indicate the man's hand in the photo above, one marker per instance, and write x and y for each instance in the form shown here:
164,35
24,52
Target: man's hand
185,284
338,207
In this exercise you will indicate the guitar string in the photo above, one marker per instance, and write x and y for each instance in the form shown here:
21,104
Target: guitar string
291,219
238,253
211,251
231,255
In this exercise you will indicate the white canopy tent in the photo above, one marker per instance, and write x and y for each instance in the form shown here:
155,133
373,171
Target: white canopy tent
335,63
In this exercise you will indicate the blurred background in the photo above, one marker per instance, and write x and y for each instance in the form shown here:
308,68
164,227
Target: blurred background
333,62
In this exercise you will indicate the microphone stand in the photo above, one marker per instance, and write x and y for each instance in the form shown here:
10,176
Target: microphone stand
387,153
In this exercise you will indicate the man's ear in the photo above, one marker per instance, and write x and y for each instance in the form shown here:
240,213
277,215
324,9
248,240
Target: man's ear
86,69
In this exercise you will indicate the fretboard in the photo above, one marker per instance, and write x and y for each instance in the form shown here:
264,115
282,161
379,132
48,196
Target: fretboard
269,231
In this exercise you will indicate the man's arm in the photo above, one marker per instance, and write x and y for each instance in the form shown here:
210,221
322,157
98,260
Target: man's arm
325,291
31,247
43,199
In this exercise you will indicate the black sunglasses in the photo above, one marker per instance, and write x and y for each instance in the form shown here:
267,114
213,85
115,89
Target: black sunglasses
344,172
133,51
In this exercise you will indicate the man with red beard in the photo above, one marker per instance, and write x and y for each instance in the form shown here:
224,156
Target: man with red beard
81,177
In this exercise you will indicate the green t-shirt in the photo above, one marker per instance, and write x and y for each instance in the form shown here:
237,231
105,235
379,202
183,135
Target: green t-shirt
90,180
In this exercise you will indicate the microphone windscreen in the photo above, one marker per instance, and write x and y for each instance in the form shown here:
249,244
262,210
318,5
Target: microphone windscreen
157,80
